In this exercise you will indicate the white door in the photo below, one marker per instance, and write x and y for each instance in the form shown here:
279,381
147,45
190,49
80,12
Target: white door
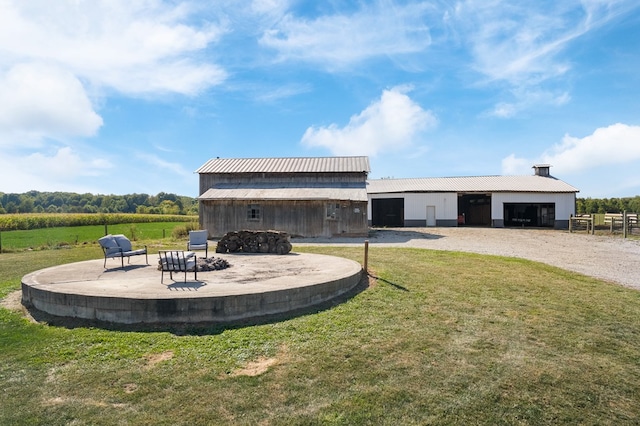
431,215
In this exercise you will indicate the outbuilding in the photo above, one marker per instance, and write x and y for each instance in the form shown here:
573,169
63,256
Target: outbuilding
309,197
537,200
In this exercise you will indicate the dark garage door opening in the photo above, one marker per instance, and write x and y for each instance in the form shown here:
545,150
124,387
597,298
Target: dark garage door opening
529,214
387,212
475,209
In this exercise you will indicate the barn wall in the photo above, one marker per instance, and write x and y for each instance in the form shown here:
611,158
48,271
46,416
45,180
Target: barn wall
415,207
208,180
298,218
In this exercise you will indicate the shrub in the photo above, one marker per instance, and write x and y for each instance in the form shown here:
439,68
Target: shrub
182,231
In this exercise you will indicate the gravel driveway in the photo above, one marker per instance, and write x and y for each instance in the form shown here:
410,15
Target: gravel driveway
610,258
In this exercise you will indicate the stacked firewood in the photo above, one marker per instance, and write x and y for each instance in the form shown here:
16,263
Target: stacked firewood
254,242
211,264
206,264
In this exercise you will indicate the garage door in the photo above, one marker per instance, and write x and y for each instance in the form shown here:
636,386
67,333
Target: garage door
529,214
387,212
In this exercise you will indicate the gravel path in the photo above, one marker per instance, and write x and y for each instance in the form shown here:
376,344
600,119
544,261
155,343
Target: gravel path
610,258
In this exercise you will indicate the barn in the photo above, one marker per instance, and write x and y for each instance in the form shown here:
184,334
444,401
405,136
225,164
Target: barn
537,200
308,197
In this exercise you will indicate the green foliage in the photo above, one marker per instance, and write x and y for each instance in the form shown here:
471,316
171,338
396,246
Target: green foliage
10,222
608,205
69,202
182,231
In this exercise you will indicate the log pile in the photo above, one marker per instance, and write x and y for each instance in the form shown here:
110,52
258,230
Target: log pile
205,264
254,242
211,264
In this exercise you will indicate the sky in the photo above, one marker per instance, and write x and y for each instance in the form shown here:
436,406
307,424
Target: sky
121,96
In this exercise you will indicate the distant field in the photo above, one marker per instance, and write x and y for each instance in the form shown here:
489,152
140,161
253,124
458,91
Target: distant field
14,222
74,235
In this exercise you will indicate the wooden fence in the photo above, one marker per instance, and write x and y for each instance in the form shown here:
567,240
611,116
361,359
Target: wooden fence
623,222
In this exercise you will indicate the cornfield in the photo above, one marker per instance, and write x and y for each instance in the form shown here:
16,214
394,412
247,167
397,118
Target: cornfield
14,222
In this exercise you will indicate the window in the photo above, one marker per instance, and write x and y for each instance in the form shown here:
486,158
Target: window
332,210
253,212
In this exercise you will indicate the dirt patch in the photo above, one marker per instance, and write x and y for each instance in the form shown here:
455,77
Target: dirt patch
12,301
82,401
260,365
154,359
255,368
130,388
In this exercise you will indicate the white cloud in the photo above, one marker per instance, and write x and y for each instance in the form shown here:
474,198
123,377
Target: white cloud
513,165
389,124
522,44
159,163
526,99
53,55
63,169
270,7
132,47
519,42
607,146
614,145
269,95
340,40
40,100
66,164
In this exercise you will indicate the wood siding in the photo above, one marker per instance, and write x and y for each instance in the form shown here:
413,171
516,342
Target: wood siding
307,218
298,218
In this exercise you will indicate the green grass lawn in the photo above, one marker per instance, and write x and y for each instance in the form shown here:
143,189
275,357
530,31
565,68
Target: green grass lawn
74,235
441,338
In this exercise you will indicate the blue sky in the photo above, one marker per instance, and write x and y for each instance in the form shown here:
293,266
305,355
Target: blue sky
120,96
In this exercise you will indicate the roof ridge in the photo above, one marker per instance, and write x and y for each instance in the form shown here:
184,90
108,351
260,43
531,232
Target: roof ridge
284,158
347,164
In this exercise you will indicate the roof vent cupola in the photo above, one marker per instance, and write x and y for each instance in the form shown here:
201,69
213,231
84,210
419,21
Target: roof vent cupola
542,170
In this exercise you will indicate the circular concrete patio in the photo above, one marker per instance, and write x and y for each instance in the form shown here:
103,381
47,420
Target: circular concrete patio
255,285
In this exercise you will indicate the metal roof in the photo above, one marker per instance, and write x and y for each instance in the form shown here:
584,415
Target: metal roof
286,165
530,183
247,193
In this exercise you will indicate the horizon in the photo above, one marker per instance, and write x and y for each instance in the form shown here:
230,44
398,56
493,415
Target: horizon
114,98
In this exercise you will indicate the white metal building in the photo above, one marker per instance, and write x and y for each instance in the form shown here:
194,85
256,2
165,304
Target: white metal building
538,200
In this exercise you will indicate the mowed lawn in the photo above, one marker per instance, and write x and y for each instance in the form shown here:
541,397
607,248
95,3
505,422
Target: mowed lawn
441,338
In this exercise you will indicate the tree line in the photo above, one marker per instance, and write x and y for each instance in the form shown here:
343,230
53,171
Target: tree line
607,205
70,202
168,203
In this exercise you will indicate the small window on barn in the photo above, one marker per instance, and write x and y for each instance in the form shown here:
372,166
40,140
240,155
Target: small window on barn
332,210
253,212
